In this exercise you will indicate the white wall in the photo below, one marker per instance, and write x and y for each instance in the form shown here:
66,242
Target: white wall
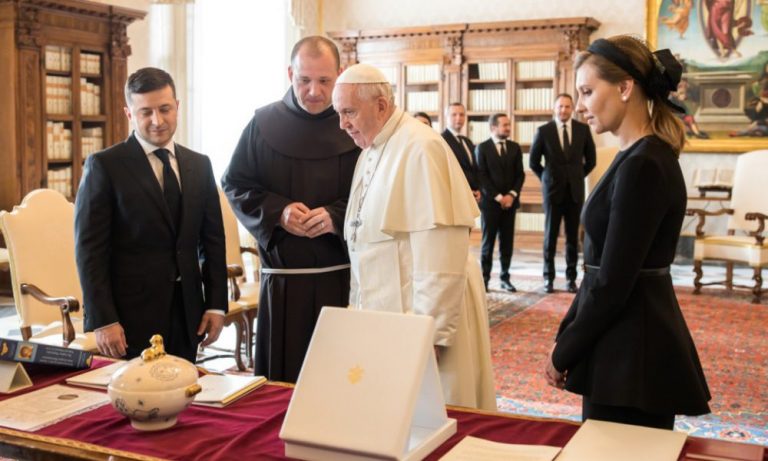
617,17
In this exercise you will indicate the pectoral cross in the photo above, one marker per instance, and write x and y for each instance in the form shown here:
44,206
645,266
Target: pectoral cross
356,223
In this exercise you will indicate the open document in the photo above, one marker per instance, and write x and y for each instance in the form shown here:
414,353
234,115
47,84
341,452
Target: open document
221,390
605,441
98,378
474,449
48,405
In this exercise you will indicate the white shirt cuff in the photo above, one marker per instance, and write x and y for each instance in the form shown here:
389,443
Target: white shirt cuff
215,311
107,326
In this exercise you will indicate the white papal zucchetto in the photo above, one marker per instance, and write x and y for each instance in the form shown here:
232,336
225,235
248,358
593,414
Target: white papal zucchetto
362,73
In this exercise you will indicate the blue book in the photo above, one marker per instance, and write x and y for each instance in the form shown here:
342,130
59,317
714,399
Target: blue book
27,352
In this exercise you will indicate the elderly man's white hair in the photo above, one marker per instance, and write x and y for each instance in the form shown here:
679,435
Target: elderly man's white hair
371,82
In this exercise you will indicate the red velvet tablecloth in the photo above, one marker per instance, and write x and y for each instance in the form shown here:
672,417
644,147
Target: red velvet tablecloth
248,429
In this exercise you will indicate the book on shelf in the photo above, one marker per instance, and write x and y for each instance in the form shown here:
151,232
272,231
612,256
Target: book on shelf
58,94
92,140
426,101
58,58
492,71
60,179
478,131
525,131
90,97
535,69
58,141
487,100
390,73
90,63
421,73
221,390
98,378
46,354
534,98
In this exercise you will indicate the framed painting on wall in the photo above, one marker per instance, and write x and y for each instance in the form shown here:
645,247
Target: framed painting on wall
723,46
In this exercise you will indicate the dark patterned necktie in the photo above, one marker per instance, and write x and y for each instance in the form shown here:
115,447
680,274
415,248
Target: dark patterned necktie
566,141
503,149
171,190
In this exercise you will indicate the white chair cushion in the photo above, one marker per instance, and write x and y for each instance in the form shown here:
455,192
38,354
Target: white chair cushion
83,341
738,248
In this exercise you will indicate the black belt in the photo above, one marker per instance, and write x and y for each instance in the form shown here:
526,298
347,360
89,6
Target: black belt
643,272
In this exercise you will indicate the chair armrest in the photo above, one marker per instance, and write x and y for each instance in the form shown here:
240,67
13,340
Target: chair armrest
250,250
66,304
702,214
760,218
233,272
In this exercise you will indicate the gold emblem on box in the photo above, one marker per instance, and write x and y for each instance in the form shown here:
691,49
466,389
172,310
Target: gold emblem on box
355,374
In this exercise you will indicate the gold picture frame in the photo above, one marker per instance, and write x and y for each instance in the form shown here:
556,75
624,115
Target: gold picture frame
725,80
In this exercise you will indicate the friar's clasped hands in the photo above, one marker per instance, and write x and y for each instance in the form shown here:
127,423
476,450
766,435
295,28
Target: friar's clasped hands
300,220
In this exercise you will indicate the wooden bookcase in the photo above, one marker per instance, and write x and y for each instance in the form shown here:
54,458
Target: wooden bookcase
63,64
512,67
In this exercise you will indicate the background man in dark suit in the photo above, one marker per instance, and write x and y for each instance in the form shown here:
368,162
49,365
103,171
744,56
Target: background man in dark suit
500,169
462,147
569,151
149,234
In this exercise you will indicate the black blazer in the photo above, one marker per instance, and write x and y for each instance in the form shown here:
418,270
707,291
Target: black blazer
469,169
128,253
624,340
561,171
497,176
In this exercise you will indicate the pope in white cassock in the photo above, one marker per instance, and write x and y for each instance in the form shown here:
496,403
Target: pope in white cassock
407,229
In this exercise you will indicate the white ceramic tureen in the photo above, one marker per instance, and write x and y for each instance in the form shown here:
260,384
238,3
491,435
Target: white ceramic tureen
153,389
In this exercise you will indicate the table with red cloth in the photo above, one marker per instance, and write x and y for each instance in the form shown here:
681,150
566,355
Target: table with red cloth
246,429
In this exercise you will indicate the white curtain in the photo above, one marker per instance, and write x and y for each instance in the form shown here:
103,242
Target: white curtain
239,63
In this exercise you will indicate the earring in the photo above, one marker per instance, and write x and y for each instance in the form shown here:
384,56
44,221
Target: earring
624,98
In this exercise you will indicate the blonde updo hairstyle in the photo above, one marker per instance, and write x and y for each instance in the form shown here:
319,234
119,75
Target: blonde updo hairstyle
664,123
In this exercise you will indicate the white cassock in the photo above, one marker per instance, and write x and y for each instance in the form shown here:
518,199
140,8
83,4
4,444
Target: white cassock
409,249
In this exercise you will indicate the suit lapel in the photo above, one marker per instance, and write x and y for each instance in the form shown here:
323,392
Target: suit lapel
458,147
137,164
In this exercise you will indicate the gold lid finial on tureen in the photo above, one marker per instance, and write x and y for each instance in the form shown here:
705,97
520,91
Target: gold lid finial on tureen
156,351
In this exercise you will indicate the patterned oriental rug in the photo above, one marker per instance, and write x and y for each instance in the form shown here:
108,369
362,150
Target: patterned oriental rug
730,335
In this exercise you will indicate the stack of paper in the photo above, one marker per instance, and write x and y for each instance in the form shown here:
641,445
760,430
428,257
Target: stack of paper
221,390
98,378
474,449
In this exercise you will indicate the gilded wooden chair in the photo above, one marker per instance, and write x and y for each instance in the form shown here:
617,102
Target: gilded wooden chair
745,239
243,293
39,234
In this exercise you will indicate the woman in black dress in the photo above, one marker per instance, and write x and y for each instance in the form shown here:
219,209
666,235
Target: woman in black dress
624,344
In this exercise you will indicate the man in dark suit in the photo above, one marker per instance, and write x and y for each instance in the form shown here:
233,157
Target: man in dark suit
461,146
149,234
500,169
569,153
